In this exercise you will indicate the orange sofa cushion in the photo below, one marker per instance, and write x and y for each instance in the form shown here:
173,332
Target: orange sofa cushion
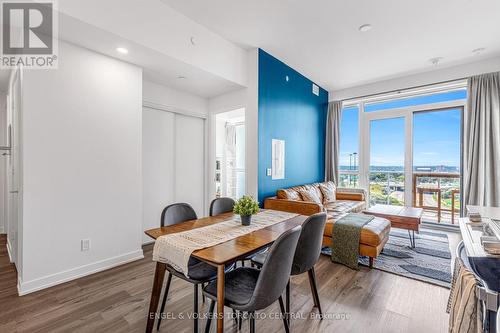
372,234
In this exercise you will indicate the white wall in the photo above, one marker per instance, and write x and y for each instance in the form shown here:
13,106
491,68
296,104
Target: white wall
246,98
435,76
174,100
228,102
82,167
252,123
3,159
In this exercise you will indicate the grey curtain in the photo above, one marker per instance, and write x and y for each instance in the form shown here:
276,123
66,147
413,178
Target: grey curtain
481,142
333,118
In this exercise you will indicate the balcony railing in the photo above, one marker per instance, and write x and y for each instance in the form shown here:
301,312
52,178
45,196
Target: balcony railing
438,193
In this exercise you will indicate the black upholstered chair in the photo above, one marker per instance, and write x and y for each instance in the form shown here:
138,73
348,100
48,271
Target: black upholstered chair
221,206
248,289
306,255
198,271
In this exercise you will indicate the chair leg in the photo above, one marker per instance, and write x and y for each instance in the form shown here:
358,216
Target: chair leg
243,263
240,320
283,315
287,300
210,315
195,309
164,301
252,322
371,262
202,294
314,289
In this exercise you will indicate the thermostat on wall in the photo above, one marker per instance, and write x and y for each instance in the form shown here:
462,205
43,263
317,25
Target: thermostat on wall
315,90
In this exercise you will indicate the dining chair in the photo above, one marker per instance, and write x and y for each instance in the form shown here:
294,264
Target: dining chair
199,272
221,206
306,255
249,289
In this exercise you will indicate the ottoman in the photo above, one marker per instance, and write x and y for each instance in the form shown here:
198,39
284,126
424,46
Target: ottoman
374,235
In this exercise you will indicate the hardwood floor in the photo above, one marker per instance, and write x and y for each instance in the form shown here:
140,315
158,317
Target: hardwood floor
117,301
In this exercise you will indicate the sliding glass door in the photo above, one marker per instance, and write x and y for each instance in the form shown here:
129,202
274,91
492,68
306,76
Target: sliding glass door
412,158
387,161
436,163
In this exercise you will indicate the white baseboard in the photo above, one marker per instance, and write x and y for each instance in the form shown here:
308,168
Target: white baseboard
77,272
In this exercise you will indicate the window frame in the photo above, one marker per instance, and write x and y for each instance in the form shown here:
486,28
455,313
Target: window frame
407,112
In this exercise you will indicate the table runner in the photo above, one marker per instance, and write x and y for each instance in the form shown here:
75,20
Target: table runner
176,249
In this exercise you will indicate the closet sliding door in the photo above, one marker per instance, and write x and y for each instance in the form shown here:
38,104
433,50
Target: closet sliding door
173,163
158,167
190,161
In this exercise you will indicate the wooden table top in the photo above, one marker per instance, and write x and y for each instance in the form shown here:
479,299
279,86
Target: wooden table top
234,249
400,211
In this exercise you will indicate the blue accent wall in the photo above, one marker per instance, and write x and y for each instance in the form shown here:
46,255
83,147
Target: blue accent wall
288,110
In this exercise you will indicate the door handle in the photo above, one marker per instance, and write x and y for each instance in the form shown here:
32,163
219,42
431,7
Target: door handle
13,191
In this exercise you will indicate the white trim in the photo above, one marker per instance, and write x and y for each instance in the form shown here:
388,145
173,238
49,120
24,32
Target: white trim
408,93
77,272
173,109
9,251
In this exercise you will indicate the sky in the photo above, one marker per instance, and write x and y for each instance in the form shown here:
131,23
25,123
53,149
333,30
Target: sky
436,135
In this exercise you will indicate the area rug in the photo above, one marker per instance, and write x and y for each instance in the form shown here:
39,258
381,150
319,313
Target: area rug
429,261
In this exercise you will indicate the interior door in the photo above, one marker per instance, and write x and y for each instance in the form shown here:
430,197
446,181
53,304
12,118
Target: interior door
173,163
158,170
190,161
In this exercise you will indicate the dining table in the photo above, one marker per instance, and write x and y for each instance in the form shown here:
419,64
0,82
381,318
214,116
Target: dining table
218,255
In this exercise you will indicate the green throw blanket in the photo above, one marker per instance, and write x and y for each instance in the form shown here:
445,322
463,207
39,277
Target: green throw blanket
345,239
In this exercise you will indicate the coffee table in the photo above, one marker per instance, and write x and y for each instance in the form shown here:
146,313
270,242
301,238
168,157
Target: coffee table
407,218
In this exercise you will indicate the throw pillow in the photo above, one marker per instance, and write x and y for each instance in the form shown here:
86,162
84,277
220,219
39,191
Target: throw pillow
329,192
310,196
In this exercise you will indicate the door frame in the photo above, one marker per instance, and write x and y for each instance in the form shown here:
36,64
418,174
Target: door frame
407,113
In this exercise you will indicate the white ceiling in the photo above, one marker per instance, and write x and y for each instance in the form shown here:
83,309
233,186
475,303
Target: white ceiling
158,67
320,38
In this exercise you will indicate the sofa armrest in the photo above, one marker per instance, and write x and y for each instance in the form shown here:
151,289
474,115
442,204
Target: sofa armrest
293,206
354,194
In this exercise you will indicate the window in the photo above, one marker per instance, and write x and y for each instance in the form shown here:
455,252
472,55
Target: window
349,143
404,149
417,100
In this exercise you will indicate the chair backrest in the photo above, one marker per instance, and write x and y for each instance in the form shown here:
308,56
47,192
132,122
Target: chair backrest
275,273
177,213
221,205
310,243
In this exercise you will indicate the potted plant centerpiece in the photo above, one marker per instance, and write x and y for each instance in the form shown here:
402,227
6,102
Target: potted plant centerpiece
246,207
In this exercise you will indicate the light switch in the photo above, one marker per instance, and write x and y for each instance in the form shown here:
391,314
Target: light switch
269,172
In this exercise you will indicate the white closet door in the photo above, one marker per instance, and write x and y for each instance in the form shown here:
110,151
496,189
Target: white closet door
190,161
158,169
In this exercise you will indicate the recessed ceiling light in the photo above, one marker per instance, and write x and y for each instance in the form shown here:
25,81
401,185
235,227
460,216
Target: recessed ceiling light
180,77
479,50
122,50
365,27
435,60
